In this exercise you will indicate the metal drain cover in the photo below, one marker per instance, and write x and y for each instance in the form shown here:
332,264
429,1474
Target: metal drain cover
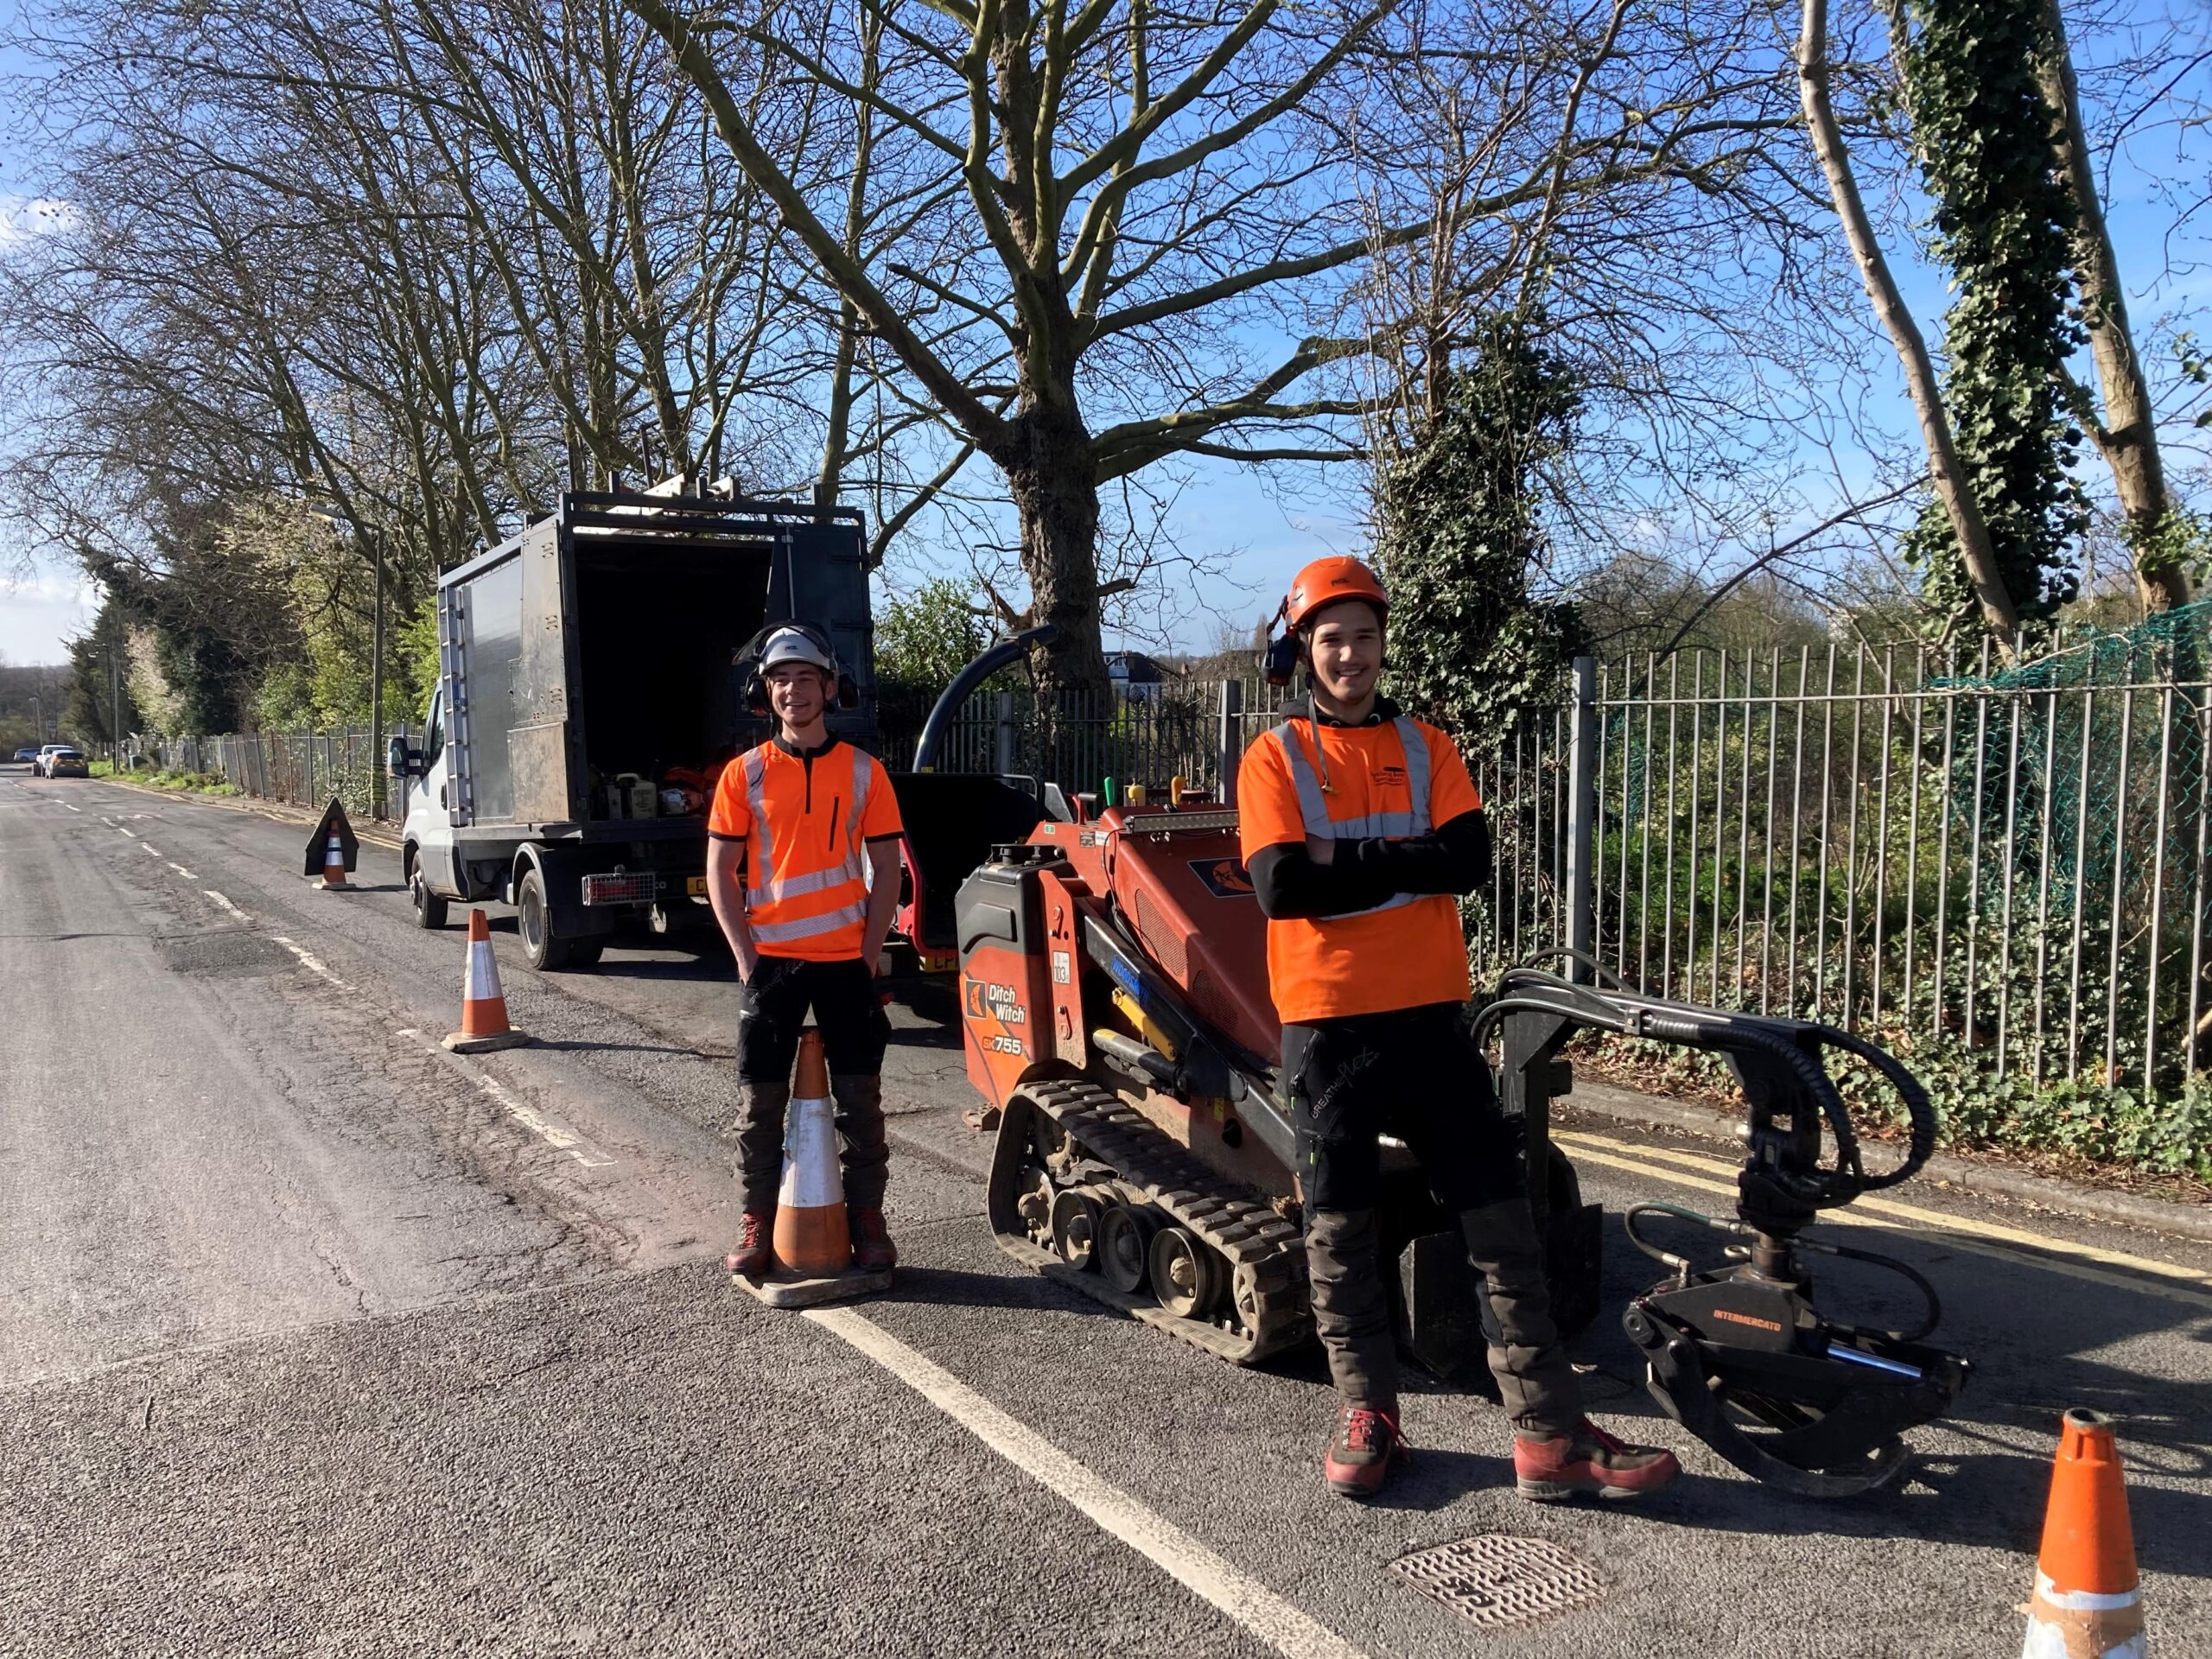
1497,1579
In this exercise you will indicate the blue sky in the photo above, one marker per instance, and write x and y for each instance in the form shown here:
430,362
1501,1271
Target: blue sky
1249,530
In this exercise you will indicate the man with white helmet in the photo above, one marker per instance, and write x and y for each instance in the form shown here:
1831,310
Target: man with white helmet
803,872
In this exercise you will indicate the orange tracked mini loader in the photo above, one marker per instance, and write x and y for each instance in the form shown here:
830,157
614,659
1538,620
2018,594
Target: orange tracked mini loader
1115,1002
1116,1013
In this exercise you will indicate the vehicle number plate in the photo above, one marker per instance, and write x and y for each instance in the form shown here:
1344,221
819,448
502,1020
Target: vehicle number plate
696,885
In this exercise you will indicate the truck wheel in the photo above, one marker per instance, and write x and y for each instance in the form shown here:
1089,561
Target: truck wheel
430,909
542,948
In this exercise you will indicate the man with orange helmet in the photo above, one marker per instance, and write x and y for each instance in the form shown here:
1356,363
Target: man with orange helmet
1360,828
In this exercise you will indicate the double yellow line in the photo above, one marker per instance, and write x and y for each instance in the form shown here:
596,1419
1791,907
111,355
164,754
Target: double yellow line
2191,1286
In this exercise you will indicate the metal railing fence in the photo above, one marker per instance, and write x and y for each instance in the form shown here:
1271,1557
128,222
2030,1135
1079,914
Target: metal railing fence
298,768
1887,838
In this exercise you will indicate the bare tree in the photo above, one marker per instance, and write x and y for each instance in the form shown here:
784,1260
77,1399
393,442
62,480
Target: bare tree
1148,194
1983,572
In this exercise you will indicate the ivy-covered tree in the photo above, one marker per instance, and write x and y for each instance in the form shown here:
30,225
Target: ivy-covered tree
1987,140
1460,533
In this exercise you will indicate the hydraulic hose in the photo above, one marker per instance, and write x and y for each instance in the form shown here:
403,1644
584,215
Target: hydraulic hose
1522,988
1919,1109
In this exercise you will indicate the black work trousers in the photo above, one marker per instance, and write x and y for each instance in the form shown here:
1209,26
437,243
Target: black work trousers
773,1009
1409,1072
1412,1073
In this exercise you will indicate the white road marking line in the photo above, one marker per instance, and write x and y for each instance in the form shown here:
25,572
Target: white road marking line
314,964
227,904
186,873
1286,1627
553,1136
150,847
72,809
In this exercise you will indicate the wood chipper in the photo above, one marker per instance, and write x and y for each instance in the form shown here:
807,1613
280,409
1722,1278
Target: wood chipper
1116,1018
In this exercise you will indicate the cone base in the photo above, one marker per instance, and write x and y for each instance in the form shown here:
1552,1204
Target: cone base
780,1288
324,884
462,1042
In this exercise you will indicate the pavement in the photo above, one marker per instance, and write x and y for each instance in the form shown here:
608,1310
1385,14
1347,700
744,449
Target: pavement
316,1338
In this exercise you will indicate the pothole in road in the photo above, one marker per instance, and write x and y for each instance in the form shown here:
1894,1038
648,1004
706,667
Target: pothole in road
221,956
1496,1579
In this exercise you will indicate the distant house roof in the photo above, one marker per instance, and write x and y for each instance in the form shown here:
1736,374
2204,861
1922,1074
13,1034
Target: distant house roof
1134,667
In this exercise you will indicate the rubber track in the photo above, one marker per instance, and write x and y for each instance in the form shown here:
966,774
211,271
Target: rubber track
1267,1254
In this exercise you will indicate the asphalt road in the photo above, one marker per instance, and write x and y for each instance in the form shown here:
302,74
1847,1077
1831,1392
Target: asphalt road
316,1338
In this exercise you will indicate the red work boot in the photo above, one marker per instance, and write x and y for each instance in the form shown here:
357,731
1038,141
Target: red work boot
749,1260
1367,1445
1588,1460
873,1250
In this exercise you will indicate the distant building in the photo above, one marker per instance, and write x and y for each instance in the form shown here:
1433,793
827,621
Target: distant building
1137,676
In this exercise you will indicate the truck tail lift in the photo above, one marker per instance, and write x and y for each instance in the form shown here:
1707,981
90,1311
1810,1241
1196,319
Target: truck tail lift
1738,1352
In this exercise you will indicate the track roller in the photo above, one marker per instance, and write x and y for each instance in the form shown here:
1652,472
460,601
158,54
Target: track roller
1124,1247
1187,1276
1074,1227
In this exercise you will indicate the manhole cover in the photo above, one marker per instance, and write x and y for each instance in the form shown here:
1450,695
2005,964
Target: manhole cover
1496,1579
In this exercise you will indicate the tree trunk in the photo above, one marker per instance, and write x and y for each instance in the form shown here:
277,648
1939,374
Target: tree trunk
1983,572
1054,483
2127,433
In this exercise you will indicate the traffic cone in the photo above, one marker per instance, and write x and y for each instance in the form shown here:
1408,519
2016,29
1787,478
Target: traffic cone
333,864
483,1004
811,1239
2086,1603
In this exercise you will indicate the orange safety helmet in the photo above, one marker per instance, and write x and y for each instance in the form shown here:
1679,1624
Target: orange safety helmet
1322,583
1326,580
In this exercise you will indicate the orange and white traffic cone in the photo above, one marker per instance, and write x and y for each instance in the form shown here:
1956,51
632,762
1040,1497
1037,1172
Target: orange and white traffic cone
333,864
483,1004
812,1239
2088,1604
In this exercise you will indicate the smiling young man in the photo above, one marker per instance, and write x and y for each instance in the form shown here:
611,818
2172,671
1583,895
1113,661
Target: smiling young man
1360,828
803,872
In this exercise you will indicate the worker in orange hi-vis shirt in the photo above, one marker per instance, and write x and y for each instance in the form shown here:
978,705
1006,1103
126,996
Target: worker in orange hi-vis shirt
1360,828
803,872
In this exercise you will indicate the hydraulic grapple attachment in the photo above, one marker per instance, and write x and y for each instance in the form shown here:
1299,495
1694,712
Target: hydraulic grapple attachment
1738,1352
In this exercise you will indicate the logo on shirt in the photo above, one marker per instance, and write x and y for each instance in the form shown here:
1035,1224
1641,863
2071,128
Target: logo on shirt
1390,777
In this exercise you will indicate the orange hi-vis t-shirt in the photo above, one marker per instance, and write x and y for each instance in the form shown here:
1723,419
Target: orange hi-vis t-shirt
806,821
1394,779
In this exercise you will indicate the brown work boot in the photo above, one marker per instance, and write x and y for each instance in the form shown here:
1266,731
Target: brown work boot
749,1259
1546,1470
1367,1445
873,1250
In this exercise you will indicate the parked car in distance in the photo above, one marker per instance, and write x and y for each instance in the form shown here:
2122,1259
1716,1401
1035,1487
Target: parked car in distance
26,757
38,765
67,763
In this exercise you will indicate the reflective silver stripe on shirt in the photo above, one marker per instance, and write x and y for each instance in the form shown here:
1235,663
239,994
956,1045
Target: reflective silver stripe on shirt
1313,810
809,927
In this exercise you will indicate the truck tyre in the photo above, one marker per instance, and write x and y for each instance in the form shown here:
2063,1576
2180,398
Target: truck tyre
430,909
542,948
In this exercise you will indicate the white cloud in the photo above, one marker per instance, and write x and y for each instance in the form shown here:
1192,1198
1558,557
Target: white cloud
22,218
39,614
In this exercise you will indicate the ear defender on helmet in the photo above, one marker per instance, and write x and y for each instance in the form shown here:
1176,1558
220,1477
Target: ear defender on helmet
1280,660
